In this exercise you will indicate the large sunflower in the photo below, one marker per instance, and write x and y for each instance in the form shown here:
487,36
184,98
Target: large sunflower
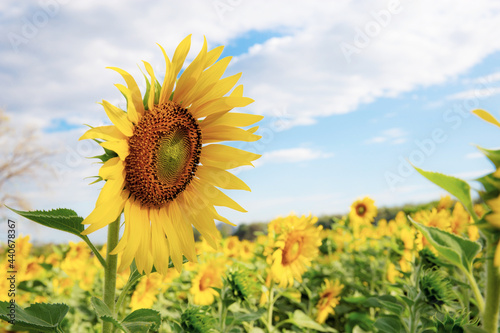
164,164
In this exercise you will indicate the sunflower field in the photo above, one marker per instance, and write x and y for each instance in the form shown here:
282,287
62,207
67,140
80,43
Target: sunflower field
164,167
360,275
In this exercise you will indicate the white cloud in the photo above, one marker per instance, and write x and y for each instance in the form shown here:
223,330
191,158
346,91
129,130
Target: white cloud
291,155
394,136
469,175
474,155
475,93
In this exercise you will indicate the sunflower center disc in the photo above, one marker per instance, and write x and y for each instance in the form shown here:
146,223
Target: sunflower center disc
164,153
292,249
361,210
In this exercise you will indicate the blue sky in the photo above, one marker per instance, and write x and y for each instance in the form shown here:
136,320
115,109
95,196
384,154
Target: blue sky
350,92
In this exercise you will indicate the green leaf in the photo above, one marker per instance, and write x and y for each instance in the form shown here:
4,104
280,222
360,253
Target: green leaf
473,329
492,155
61,219
300,319
100,307
104,313
388,324
142,320
389,303
251,316
456,187
457,250
39,317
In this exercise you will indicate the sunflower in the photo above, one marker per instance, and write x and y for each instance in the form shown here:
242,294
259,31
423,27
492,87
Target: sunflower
328,300
294,249
209,276
164,164
363,211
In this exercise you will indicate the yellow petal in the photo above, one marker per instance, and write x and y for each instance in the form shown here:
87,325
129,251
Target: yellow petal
164,94
160,249
496,174
112,169
206,81
143,257
221,178
213,55
217,197
119,118
190,76
227,133
133,88
126,234
151,98
226,157
493,219
134,230
496,260
486,116
105,213
109,133
216,91
183,228
177,63
132,114
111,190
231,119
173,239
218,105
119,147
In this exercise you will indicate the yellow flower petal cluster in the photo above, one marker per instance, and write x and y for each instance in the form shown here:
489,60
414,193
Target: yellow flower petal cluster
169,162
209,275
294,248
328,300
363,211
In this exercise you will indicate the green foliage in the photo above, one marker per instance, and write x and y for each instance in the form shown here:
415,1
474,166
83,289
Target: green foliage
40,317
197,320
139,321
456,187
457,250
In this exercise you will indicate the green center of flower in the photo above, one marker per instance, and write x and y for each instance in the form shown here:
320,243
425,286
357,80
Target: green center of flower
292,249
361,210
164,153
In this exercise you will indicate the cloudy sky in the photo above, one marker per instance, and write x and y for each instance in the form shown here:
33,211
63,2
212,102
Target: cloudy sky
351,91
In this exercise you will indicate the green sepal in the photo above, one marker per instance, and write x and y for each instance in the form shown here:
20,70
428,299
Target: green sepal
38,317
455,186
457,250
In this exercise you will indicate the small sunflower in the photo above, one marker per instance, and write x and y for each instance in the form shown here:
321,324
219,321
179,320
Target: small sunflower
294,249
164,164
363,211
209,275
328,300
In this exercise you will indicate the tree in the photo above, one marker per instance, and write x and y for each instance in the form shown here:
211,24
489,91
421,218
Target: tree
20,157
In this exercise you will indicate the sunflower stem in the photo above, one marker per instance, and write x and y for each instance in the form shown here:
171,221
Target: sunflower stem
492,306
95,251
271,306
110,272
